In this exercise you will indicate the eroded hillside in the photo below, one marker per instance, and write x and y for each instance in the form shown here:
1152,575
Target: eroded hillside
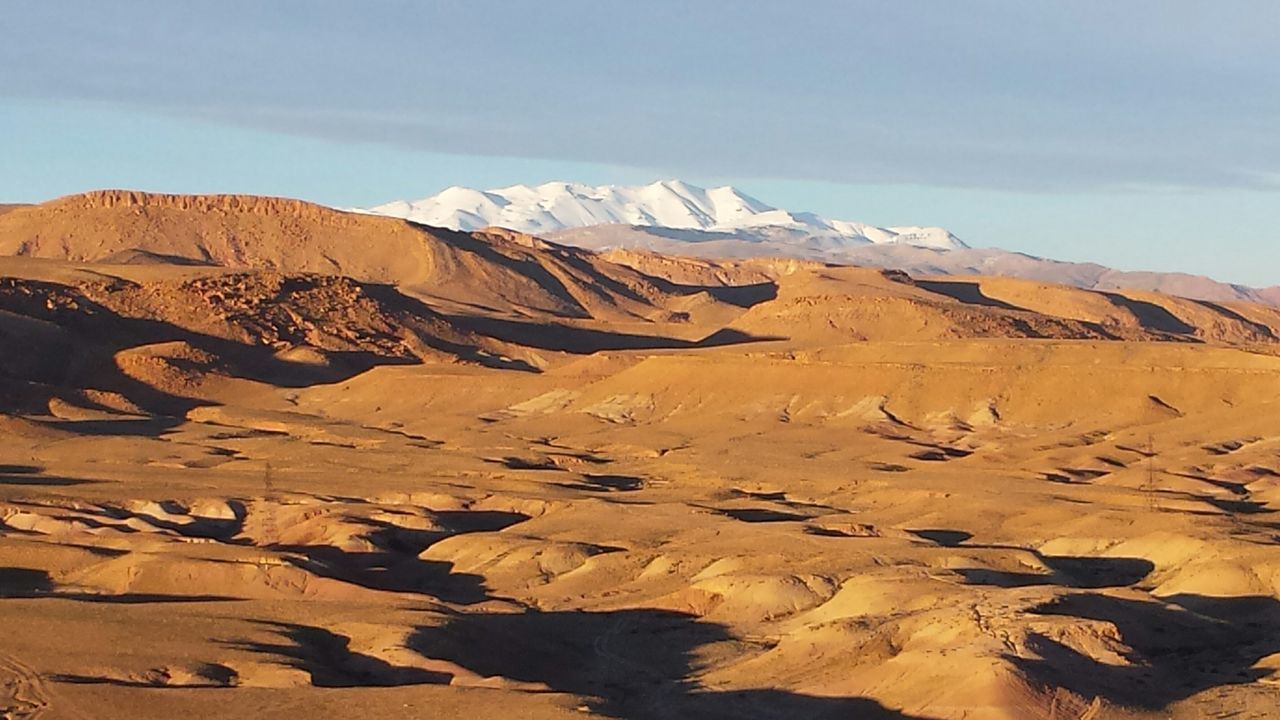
507,477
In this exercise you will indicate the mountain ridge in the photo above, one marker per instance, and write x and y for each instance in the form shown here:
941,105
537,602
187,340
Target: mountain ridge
676,218
912,259
556,206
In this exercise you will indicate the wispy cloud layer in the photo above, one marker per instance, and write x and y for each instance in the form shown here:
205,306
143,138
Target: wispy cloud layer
983,94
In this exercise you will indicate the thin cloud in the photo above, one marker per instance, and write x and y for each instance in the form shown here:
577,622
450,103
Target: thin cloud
986,94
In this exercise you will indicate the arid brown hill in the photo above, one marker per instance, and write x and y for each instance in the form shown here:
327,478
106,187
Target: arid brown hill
521,289
910,258
818,304
501,271
168,344
275,460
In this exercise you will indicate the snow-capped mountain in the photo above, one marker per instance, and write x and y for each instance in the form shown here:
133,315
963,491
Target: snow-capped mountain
558,206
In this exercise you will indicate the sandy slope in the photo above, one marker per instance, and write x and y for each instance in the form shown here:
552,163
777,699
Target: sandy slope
759,490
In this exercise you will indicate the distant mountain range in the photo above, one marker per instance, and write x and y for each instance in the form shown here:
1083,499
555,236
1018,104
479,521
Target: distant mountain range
912,259
553,207
673,217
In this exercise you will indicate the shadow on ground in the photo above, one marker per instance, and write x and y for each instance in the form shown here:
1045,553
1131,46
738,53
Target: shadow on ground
1064,570
29,584
33,475
1179,647
1067,571
579,340
327,657
634,663
394,565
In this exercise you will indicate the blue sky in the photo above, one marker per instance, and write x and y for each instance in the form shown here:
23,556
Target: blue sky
1138,133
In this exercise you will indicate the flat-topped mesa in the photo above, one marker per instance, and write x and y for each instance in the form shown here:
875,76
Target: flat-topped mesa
222,203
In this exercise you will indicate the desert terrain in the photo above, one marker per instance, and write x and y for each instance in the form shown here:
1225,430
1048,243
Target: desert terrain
260,458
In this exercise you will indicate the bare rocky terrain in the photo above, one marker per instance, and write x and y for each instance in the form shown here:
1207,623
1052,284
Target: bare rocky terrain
262,458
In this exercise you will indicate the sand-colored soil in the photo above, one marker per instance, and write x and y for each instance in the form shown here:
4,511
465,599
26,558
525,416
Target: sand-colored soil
503,479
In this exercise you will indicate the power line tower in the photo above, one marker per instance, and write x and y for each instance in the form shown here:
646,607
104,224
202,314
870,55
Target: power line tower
270,531
1149,487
